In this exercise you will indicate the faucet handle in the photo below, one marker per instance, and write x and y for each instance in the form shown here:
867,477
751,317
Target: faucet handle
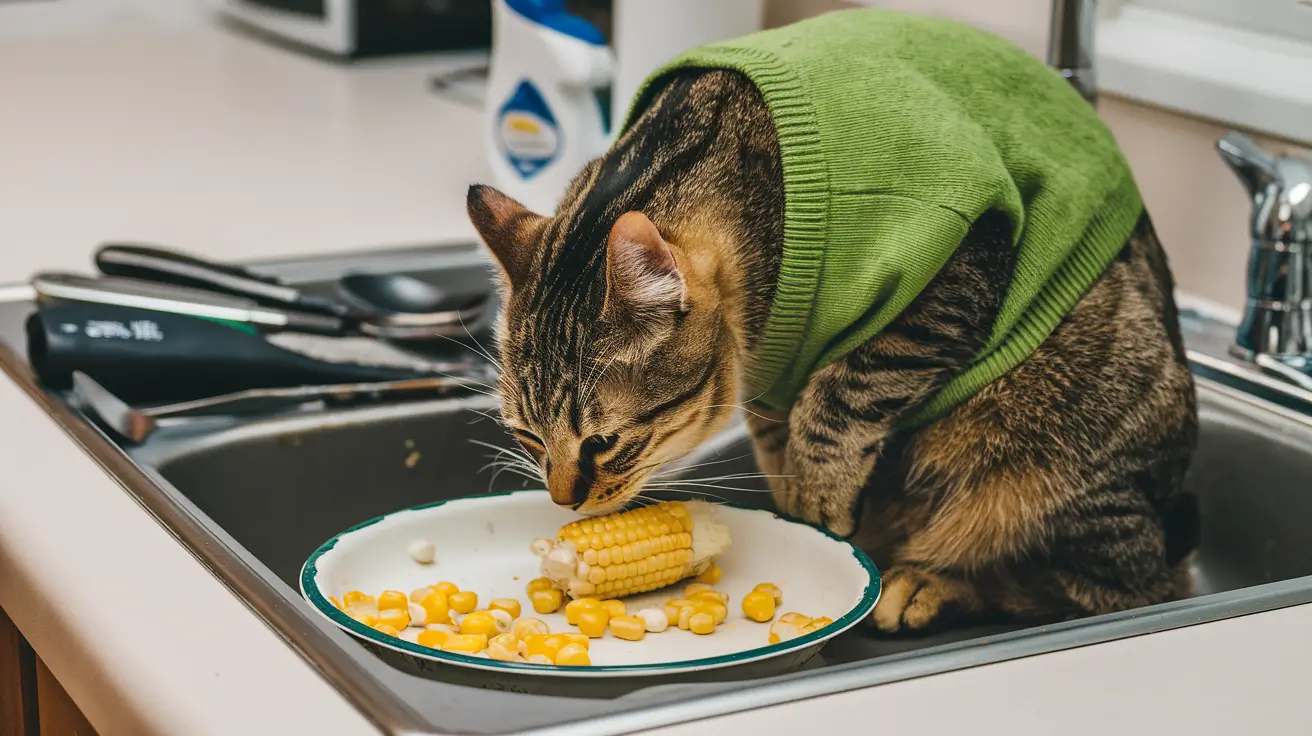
1254,166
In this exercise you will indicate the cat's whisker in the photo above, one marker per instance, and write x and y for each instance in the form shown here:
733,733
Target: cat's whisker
745,410
672,485
684,468
478,345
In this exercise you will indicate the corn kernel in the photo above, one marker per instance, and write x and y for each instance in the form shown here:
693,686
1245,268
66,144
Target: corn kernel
654,619
394,617
355,597
773,590
556,641
387,629
466,643
540,659
580,639
392,599
713,606
478,622
434,608
546,601
758,605
631,628
701,623
573,655
463,602
615,607
537,584
577,606
691,588
592,622
545,644
433,637
525,626
794,618
336,603
673,606
503,619
418,594
447,588
685,616
503,648
711,575
816,624
788,626
709,595
509,605
364,617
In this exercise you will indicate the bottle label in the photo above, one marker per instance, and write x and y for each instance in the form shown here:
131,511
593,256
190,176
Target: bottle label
527,131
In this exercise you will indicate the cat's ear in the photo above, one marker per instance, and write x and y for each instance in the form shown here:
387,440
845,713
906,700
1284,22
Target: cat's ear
645,290
506,226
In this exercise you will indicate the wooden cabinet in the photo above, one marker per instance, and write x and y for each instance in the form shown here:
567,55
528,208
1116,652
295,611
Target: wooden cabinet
32,702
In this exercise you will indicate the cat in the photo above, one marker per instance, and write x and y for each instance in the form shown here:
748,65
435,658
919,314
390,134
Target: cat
628,317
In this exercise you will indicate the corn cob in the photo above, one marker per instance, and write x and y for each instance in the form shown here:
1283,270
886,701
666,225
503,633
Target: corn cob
632,551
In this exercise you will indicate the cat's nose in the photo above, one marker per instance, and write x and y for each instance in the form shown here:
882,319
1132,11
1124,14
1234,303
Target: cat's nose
568,487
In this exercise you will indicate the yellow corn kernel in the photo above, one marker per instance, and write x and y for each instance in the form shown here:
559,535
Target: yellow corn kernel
539,659
503,648
503,619
710,575
509,605
577,606
692,588
336,603
794,618
631,628
573,655
418,594
398,618
685,616
773,590
435,608
758,605
478,622
816,624
433,638
788,626
701,623
709,595
466,643
673,606
546,601
364,617
580,639
463,601
355,597
713,606
537,584
386,629
544,644
615,607
392,599
592,622
525,626
446,588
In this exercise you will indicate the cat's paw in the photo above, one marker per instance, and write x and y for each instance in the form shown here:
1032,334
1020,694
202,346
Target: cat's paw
912,599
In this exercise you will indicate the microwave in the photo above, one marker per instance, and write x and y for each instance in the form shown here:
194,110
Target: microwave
362,28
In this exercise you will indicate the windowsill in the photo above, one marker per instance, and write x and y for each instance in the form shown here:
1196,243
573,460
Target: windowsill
1238,77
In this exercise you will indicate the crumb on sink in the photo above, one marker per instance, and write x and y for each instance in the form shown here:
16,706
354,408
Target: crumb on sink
412,459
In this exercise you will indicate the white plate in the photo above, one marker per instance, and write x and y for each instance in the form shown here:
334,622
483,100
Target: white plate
483,545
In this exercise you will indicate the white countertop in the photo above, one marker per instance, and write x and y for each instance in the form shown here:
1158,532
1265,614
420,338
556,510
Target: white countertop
233,149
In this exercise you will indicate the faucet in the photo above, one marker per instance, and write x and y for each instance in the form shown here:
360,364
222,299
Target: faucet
1276,330
1070,44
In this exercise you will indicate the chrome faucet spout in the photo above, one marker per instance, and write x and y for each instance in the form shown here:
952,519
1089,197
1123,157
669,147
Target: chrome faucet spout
1071,44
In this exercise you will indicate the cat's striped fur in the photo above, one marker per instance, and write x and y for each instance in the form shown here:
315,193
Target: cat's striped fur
1056,491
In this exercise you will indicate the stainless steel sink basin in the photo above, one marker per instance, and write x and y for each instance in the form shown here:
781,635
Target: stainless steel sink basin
252,499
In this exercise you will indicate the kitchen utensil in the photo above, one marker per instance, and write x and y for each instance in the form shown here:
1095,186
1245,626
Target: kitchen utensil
151,263
146,356
483,545
136,424
390,306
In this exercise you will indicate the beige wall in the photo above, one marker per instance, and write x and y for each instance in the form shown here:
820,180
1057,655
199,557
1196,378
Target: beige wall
1199,209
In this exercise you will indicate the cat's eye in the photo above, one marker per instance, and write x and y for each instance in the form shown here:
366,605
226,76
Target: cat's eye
530,442
599,443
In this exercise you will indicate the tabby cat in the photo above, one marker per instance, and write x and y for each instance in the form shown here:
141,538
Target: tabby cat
629,316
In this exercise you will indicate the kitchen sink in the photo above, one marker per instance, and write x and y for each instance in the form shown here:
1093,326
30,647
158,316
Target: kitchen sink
253,498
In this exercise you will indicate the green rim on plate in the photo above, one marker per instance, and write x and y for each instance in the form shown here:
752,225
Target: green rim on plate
311,592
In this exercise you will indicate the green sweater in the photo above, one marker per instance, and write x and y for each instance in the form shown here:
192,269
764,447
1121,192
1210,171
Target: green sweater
897,131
